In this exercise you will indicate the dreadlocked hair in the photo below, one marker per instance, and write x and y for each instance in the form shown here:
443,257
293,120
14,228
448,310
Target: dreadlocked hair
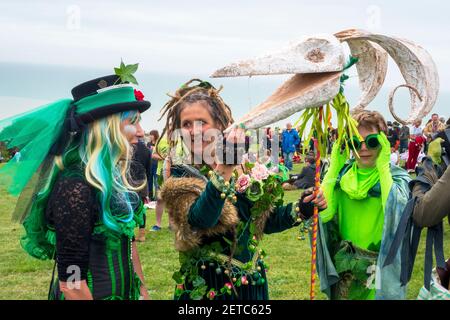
195,90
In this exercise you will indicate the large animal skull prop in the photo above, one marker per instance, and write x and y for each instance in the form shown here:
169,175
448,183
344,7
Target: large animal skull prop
317,64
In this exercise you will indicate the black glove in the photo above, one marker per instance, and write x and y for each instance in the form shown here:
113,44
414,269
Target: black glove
306,209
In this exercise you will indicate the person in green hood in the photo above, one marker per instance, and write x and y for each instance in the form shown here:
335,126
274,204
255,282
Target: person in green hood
366,197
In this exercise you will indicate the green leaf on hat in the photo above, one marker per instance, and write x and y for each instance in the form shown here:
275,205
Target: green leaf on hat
125,72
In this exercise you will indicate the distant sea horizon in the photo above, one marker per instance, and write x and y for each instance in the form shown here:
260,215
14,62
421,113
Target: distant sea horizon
26,86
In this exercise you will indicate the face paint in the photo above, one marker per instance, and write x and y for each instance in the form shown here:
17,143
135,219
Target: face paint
130,130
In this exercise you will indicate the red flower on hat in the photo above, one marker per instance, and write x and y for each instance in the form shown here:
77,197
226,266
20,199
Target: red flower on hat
139,95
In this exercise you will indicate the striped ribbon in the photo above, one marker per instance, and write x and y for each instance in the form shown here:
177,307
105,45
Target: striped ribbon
312,292
314,226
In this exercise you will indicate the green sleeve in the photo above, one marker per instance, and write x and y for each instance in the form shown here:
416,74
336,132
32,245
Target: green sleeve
281,219
337,162
330,194
206,210
384,167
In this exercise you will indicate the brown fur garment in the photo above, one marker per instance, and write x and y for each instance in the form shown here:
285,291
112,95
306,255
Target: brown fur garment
179,194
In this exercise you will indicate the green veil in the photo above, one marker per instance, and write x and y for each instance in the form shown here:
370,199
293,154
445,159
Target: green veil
33,133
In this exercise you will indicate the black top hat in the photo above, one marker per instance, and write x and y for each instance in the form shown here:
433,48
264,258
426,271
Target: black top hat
77,118
91,87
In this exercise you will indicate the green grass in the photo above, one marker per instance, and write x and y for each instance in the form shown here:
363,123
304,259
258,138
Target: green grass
23,277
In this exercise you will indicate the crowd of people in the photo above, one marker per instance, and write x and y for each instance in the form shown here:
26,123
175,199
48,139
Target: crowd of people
410,145
100,171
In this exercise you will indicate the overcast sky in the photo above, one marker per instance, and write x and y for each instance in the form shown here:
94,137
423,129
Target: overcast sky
193,38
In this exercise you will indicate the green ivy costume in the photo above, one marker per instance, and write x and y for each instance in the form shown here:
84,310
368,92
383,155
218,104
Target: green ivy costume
208,227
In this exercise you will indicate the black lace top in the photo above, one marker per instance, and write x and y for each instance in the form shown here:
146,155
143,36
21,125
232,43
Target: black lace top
72,210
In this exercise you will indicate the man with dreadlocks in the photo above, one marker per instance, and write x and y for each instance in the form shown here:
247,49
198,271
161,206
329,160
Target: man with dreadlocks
217,224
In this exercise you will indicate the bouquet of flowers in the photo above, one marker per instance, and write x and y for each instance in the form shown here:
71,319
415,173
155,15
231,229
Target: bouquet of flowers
261,186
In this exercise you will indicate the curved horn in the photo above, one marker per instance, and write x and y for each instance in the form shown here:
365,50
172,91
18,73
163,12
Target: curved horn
371,67
415,64
391,100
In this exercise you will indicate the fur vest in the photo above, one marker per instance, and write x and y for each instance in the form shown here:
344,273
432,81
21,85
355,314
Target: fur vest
179,194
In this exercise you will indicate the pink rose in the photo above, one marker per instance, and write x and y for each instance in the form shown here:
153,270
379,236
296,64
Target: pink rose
228,285
211,294
260,172
242,183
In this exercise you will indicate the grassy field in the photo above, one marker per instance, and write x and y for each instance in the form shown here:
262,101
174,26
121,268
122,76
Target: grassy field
23,277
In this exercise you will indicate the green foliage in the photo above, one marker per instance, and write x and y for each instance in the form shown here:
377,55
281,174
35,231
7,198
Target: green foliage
125,72
269,192
255,191
198,281
319,117
178,277
357,290
342,262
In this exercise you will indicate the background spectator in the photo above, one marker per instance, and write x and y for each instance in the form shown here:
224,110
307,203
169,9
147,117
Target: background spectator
404,138
305,179
289,142
153,180
433,127
413,153
392,134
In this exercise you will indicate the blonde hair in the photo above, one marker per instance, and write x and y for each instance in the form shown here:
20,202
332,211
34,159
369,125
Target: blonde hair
94,145
106,154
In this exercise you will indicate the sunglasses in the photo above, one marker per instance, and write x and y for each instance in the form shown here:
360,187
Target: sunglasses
371,142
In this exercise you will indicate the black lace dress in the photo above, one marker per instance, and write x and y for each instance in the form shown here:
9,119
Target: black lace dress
84,251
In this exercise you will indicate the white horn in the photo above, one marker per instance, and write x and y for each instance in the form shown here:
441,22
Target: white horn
300,92
371,66
391,100
315,54
317,63
417,67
